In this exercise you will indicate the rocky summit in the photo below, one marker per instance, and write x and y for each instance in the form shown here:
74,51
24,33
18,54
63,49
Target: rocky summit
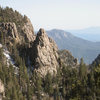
45,56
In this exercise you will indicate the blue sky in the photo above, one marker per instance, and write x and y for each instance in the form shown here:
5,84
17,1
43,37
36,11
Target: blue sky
61,14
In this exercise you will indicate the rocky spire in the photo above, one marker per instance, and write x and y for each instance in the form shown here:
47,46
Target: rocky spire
45,54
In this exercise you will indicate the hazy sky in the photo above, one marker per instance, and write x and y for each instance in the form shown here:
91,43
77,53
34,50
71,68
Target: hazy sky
61,14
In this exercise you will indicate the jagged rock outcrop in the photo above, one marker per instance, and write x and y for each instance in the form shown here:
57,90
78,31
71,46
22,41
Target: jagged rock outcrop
28,31
9,32
45,56
2,94
12,33
44,51
67,59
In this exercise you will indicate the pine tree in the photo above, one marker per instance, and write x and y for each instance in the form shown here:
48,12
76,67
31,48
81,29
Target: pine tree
38,86
14,94
1,38
82,70
48,84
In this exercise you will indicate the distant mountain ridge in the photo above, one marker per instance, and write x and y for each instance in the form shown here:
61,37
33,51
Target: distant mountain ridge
78,47
92,33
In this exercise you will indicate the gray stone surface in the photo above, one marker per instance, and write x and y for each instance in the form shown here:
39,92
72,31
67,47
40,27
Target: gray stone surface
45,56
28,31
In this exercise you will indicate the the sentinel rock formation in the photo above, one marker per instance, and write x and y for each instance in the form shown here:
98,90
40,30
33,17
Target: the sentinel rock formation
45,56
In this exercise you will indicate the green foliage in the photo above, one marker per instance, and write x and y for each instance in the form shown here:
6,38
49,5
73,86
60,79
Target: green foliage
1,38
9,15
17,86
48,86
69,84
82,69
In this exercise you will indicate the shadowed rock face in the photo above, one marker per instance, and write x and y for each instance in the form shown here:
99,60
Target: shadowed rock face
45,56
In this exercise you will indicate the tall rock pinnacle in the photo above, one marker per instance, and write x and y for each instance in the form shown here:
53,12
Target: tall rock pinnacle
45,54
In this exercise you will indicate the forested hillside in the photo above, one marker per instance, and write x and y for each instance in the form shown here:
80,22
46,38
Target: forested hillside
32,67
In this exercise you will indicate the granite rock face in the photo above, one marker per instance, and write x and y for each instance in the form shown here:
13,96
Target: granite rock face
45,56
28,31
9,32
